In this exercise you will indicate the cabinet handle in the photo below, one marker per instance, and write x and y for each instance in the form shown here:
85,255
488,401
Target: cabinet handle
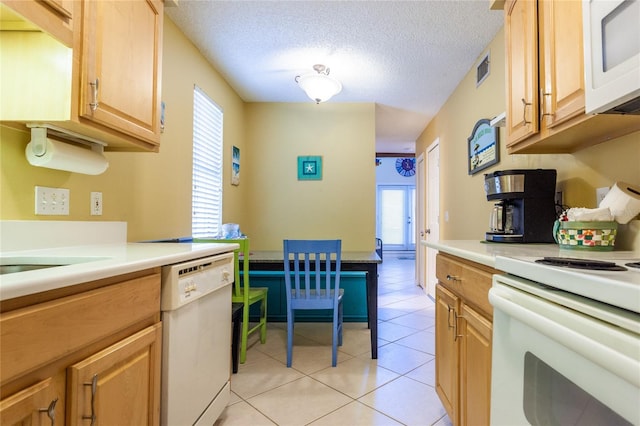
453,278
542,104
94,86
455,325
524,111
94,387
51,411
449,309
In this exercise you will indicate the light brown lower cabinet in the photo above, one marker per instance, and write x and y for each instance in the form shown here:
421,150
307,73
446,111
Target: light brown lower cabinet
463,339
92,353
119,384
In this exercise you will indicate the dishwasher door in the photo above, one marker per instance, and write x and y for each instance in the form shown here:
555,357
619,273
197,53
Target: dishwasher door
196,355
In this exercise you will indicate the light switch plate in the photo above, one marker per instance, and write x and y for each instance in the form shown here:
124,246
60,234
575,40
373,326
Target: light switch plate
96,204
52,201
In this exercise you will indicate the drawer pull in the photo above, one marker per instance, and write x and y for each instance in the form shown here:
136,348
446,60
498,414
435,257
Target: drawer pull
94,386
453,278
51,411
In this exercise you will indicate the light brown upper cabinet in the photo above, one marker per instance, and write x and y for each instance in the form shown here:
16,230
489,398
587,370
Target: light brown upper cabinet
102,82
545,81
120,61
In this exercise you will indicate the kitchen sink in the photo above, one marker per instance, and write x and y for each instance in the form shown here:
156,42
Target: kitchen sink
10,265
10,269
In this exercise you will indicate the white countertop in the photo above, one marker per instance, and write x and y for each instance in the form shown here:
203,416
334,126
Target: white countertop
485,253
96,262
618,288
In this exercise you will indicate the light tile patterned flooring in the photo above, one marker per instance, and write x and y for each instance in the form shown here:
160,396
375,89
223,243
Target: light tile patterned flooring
395,389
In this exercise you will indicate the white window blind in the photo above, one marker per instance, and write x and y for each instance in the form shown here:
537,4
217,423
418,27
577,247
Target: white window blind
207,166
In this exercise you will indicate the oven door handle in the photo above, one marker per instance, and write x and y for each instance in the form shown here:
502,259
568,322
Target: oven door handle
555,322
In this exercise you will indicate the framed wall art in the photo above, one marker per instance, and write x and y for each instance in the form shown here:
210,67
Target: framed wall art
235,165
310,168
483,147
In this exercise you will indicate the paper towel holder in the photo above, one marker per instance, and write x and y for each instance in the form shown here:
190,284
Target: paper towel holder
40,134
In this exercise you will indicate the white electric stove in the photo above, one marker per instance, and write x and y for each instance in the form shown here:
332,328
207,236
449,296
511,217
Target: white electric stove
619,288
566,340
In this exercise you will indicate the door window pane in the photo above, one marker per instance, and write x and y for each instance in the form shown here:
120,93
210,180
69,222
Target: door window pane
396,211
392,205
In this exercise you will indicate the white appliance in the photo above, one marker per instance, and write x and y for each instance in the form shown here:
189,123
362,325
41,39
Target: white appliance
196,341
559,357
611,33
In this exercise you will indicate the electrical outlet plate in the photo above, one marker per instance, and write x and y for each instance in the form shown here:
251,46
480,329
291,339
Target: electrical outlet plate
600,194
52,201
96,204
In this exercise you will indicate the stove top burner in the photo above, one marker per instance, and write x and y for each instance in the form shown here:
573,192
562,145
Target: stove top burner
633,265
589,264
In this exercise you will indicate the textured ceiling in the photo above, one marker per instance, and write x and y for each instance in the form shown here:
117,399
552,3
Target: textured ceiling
405,56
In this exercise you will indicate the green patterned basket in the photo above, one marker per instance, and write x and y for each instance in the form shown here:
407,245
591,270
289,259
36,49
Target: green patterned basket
598,236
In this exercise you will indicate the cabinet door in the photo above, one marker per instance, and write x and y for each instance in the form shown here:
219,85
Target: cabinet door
521,37
52,16
35,405
475,367
561,61
120,66
120,384
447,374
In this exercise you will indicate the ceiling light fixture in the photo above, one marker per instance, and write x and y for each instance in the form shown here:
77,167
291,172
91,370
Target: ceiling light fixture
319,86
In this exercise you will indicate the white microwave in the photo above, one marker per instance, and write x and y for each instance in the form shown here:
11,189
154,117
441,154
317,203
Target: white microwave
612,56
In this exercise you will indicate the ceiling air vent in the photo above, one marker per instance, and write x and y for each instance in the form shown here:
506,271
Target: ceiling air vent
482,70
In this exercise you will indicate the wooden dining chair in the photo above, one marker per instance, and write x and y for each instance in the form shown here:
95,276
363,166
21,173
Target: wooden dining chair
314,283
247,295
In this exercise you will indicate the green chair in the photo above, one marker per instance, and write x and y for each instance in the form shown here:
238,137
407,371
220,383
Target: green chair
244,293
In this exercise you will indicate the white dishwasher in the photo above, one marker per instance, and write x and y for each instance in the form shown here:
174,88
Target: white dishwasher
196,339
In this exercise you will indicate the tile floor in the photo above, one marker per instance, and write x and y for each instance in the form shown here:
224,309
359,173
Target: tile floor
395,389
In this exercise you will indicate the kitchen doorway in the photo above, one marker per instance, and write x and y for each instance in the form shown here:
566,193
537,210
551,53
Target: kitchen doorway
396,211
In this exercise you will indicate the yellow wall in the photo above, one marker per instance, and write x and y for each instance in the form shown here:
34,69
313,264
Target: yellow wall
462,196
341,205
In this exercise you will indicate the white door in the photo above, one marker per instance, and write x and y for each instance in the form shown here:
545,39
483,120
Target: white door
433,212
421,251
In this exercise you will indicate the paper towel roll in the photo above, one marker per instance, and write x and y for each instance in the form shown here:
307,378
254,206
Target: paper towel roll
623,199
64,156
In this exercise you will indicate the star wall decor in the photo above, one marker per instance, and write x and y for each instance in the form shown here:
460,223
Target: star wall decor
310,167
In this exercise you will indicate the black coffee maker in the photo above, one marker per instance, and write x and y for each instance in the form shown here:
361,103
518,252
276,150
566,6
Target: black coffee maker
525,208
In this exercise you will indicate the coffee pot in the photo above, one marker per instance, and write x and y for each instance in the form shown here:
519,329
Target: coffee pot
501,219
525,208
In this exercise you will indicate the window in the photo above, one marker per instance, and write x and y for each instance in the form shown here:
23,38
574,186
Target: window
206,201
